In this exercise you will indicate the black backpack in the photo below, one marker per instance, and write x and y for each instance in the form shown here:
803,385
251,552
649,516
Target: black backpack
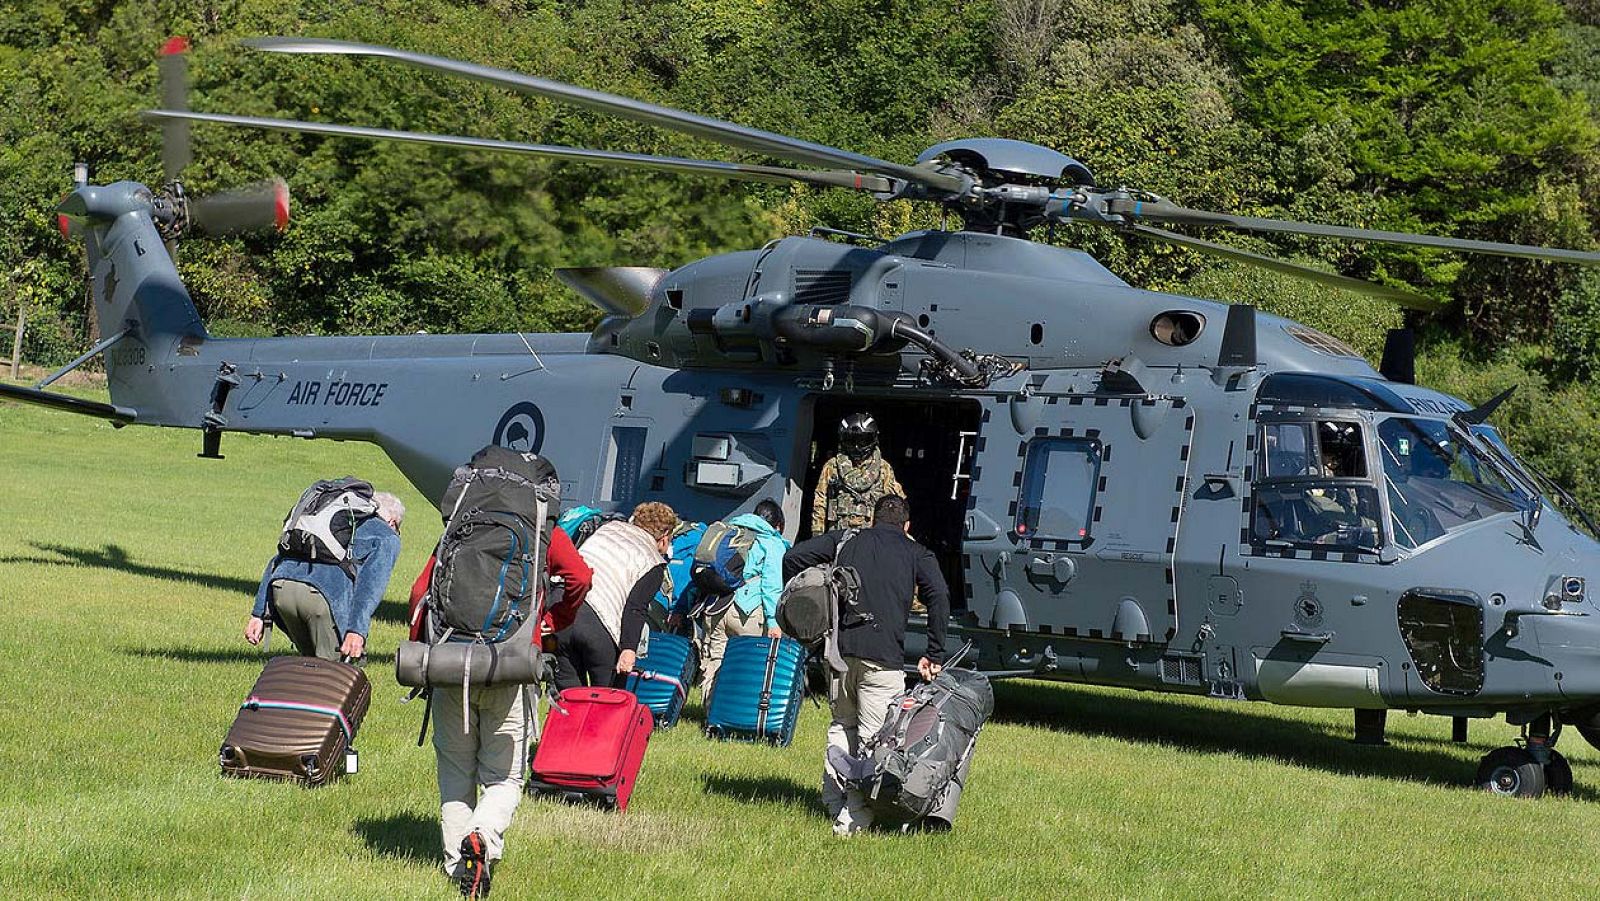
490,567
324,520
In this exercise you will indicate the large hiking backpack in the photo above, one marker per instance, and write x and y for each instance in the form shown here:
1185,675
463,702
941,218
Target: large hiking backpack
323,521
821,599
581,521
489,569
914,770
718,568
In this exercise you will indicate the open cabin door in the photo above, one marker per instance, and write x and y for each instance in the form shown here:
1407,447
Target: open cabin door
1079,540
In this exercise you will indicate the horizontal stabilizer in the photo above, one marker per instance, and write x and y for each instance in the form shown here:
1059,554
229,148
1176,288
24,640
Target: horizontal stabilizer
118,415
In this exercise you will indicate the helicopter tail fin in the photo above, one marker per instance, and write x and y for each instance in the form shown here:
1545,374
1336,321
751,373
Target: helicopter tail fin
138,297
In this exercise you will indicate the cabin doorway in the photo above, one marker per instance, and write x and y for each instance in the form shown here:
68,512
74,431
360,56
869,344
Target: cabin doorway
930,445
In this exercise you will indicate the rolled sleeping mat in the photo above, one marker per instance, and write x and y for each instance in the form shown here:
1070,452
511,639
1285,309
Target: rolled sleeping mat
943,815
514,661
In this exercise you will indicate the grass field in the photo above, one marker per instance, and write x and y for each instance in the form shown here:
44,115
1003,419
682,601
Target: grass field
126,569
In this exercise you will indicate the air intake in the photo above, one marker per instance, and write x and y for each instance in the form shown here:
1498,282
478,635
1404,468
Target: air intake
821,285
1180,670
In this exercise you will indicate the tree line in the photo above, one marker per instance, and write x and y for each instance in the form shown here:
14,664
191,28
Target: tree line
1472,120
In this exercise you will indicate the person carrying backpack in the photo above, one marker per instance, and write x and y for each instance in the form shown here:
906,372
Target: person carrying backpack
753,606
480,736
335,555
891,568
628,558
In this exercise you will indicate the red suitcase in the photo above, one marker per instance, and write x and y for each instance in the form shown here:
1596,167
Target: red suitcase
592,747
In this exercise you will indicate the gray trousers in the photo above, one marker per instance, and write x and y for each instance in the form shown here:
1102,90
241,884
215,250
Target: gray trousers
860,699
481,768
302,613
728,625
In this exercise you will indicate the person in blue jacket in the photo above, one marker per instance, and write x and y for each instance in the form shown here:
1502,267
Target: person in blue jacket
754,610
322,610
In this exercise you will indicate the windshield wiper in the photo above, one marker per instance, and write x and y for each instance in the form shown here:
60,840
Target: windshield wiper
1565,495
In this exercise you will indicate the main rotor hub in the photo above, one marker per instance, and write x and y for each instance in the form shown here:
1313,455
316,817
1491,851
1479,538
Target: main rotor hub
1005,171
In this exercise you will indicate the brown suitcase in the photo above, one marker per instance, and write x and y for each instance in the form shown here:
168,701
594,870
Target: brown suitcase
298,722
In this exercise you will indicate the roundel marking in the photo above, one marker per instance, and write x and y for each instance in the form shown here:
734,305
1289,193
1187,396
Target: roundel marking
521,428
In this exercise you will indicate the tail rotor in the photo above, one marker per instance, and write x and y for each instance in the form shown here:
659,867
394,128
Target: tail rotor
255,207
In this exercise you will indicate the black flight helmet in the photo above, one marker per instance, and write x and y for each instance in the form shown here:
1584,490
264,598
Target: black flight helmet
858,436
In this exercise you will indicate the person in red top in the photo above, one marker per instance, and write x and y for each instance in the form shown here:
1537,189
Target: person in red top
562,561
481,768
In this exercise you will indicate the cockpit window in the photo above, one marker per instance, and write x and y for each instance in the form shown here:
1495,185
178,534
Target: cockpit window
1437,482
1313,490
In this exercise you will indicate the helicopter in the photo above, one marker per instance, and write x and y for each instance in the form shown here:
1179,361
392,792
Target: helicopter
1123,487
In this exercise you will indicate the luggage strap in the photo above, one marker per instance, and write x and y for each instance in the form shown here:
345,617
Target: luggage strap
255,703
766,686
653,676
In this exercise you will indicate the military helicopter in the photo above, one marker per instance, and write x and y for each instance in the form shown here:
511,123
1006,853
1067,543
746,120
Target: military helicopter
1125,487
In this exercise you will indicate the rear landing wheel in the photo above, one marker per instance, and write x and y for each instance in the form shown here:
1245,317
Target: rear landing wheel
1514,773
1558,774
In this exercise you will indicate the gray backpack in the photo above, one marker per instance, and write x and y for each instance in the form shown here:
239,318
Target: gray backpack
914,769
324,520
818,601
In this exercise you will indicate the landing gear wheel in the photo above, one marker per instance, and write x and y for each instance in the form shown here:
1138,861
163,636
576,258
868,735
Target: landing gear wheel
1558,774
1512,772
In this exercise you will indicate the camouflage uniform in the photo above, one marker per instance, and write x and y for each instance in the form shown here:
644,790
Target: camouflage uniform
847,492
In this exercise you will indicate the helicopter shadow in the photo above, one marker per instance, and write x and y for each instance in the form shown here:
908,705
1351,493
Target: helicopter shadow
1219,730
113,556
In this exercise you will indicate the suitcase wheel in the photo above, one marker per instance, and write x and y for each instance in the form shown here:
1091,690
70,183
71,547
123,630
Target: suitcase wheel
308,762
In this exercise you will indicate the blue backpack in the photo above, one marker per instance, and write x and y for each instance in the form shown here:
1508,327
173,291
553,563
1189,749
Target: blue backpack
580,522
676,594
719,561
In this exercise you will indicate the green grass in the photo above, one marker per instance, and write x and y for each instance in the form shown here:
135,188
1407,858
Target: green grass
126,567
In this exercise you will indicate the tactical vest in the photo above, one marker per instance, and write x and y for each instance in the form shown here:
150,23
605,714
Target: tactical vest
853,491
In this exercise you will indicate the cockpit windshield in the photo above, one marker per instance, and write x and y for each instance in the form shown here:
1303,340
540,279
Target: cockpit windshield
1438,482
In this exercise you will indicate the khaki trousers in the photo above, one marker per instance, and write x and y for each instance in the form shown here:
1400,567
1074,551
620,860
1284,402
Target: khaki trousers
860,699
302,613
480,770
715,643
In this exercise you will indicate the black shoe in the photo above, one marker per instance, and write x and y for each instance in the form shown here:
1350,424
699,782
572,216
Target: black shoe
474,878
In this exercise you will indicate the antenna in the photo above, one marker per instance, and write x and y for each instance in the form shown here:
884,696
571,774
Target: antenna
1239,338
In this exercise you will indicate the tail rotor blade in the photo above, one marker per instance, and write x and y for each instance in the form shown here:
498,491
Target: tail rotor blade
174,67
253,208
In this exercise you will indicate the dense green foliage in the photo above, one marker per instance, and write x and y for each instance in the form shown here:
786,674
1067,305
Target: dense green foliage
1469,119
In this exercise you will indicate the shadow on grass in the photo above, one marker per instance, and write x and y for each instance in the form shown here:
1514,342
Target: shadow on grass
406,836
233,655
112,556
779,790
1209,729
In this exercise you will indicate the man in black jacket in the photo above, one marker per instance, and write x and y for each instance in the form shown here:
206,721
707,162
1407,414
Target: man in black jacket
893,568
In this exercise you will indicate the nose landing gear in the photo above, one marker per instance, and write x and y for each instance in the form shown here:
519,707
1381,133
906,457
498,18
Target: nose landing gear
1529,768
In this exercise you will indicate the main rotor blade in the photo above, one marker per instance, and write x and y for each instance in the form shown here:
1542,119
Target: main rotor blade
741,171
1160,210
173,64
727,133
1408,299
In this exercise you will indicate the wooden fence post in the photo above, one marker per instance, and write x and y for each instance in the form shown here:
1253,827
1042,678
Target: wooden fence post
16,343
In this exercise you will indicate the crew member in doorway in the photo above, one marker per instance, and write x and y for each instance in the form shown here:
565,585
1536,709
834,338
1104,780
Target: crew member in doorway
854,479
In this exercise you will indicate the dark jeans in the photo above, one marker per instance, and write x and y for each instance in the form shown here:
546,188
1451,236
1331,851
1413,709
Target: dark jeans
586,654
